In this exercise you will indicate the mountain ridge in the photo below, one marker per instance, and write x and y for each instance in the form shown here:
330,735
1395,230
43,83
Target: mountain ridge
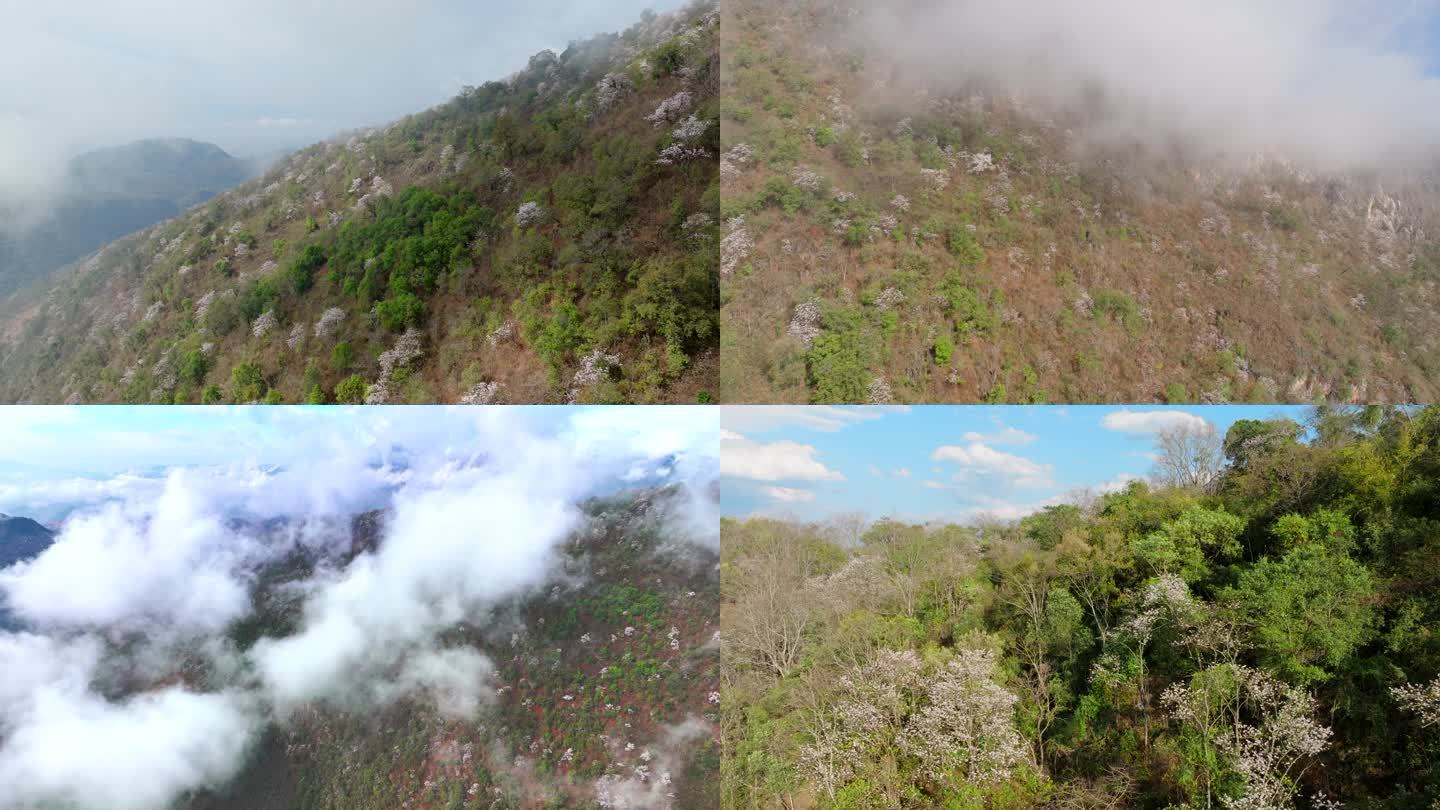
113,191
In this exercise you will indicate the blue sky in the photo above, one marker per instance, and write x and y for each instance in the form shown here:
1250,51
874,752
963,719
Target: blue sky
54,459
941,462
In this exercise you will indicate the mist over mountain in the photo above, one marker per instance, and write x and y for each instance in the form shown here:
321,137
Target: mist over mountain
108,193
957,201
485,621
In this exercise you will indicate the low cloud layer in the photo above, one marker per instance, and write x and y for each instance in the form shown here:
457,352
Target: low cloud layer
95,707
1333,84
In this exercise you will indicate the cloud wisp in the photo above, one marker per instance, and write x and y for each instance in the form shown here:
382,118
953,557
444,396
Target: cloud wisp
1326,83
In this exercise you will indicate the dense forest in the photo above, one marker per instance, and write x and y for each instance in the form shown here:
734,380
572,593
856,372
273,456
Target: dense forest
1254,629
549,237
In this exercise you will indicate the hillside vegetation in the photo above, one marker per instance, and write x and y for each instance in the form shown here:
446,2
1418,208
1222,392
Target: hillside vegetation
546,238
1262,640
885,242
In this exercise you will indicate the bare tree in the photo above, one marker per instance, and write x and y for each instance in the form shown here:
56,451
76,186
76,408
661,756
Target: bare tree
846,528
1188,457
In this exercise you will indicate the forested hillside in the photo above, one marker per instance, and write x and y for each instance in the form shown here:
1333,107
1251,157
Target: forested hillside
546,238
896,234
1265,639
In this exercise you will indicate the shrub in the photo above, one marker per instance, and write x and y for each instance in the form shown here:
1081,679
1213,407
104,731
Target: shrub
211,395
302,270
400,311
963,246
351,390
944,350
194,365
561,335
965,305
258,297
247,383
837,368
1121,306
849,150
667,59
342,356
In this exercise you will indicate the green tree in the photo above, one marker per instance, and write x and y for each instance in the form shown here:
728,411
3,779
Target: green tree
247,382
342,356
351,390
1307,611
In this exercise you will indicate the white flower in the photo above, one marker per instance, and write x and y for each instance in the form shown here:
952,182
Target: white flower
529,214
735,246
981,162
671,109
329,321
805,323
264,324
1421,700
689,129
485,393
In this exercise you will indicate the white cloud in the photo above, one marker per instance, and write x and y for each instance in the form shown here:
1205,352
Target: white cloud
1003,434
1002,510
741,457
790,495
1329,84
170,560
901,472
1118,483
65,744
823,418
469,525
1149,423
982,460
78,750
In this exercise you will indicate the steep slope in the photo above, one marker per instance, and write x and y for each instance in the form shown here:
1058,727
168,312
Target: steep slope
546,238
113,192
882,242
21,539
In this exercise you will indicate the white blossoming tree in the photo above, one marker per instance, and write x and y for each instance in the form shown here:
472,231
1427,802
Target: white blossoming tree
1421,700
967,730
